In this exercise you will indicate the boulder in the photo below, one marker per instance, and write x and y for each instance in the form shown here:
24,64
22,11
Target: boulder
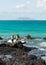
29,37
44,38
1,38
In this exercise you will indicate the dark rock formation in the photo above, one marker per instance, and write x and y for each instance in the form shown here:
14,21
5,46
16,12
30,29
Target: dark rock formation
44,38
27,49
2,45
29,37
1,38
2,63
20,57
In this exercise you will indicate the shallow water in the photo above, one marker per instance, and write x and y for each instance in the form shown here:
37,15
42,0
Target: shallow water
8,56
37,52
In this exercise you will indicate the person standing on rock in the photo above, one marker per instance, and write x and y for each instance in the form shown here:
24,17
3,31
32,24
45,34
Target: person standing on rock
12,38
17,37
18,41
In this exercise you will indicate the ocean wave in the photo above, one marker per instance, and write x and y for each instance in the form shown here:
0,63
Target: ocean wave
43,44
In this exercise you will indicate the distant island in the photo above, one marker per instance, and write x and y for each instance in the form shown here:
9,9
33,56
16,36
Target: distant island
24,18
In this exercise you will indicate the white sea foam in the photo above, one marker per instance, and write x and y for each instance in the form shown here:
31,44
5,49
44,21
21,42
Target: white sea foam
42,49
43,44
44,58
30,45
38,39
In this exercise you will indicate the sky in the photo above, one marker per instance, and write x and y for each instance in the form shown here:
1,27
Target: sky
22,9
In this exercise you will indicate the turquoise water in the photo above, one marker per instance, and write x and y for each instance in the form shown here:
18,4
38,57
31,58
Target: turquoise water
36,28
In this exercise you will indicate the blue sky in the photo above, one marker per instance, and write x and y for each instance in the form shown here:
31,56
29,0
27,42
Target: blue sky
17,9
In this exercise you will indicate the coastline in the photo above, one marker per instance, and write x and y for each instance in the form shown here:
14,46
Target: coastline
33,32
8,50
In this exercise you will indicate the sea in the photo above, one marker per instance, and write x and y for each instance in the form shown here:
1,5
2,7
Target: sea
35,28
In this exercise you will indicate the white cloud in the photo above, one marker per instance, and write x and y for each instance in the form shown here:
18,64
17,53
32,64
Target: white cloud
41,4
20,6
23,5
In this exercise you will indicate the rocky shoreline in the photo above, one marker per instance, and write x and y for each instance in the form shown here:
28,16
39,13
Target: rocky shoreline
18,54
19,57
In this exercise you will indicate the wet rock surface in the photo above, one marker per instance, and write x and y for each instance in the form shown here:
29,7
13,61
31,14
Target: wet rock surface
2,63
29,37
44,38
19,57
